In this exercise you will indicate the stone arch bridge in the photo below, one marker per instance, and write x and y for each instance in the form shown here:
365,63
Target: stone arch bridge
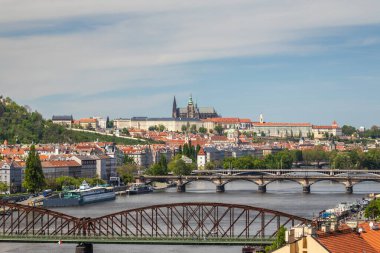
304,179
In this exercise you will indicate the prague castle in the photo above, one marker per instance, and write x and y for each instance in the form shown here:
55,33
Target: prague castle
192,111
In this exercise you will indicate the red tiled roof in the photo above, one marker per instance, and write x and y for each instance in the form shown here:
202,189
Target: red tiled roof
371,236
282,124
325,127
344,240
87,120
219,138
201,152
228,120
69,163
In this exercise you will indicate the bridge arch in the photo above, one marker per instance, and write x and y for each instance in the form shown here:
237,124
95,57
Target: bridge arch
177,220
286,179
239,179
195,220
16,219
329,179
186,182
366,180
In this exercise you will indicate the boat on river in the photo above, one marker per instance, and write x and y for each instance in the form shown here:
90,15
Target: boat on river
139,188
84,195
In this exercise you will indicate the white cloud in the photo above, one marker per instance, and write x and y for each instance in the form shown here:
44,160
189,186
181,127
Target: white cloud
149,37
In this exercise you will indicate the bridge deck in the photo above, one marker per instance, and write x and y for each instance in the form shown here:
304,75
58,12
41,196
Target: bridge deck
139,240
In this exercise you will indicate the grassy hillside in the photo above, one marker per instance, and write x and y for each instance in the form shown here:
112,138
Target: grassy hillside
17,125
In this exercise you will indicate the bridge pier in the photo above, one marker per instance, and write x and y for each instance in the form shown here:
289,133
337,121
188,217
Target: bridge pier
181,188
84,248
220,188
349,189
262,188
306,189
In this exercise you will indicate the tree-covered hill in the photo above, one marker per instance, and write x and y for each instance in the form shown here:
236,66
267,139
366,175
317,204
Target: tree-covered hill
18,125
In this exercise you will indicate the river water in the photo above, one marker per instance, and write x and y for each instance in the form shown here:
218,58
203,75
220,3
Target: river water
282,196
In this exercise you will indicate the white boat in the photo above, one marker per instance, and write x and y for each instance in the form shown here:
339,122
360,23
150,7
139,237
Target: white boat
86,194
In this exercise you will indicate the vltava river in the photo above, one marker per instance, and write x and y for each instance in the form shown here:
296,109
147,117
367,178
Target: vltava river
282,196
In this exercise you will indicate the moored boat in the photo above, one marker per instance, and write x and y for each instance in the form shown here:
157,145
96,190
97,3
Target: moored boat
139,188
84,195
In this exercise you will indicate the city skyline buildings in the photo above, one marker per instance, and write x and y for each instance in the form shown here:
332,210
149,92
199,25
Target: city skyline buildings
291,61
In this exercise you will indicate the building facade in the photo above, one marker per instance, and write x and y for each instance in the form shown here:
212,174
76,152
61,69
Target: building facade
11,175
283,130
327,131
192,111
105,167
55,169
88,164
63,120
170,124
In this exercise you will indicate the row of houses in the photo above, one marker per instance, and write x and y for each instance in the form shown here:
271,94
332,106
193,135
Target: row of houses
103,166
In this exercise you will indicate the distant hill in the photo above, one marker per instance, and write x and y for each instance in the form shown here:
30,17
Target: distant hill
18,125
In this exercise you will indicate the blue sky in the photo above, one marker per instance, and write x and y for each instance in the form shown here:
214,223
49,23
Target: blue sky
293,61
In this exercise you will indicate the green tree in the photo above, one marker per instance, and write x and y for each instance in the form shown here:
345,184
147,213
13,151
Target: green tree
94,181
109,123
65,181
373,209
297,155
128,160
371,159
153,128
193,129
34,180
127,172
125,131
348,130
3,187
180,168
342,161
218,129
202,130
284,159
184,128
210,166
161,128
279,241
317,155
160,168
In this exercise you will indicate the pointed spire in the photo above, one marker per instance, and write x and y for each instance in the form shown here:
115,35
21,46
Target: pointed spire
174,109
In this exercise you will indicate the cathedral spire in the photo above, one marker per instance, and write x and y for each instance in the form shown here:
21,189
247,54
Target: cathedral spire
174,110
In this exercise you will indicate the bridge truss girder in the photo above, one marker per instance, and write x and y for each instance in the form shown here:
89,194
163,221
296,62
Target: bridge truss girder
180,220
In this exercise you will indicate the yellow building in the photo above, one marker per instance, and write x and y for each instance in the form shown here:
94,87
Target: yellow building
331,239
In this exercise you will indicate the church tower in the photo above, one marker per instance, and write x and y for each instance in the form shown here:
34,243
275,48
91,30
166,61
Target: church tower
174,110
191,113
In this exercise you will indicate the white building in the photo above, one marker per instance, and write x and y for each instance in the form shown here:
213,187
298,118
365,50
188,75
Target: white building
170,124
11,175
280,129
324,131
102,123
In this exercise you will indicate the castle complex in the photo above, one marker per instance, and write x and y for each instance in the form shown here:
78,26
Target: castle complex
192,111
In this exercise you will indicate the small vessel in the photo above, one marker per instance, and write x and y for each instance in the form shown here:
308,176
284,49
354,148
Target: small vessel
86,194
139,188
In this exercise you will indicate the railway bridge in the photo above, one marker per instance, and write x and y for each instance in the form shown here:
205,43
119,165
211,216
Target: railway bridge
175,223
262,178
